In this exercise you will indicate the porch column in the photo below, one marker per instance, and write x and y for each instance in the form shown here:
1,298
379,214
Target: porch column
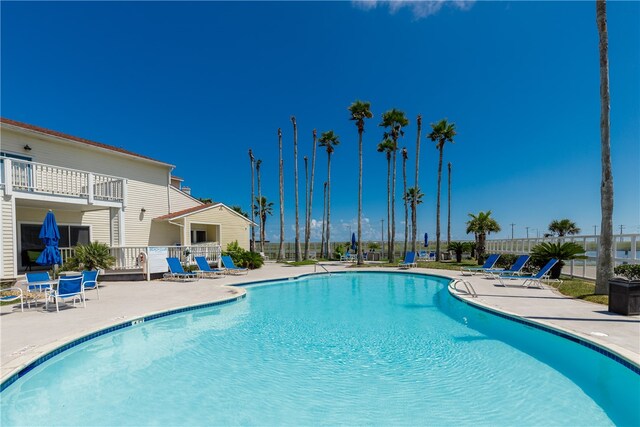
90,188
8,182
121,227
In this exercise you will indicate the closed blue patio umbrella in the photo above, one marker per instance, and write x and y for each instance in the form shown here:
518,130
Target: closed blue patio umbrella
353,241
426,240
50,235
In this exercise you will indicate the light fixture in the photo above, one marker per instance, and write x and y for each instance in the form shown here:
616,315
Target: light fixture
143,210
27,148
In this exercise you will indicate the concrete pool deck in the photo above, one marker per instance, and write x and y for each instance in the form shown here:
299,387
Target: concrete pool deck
27,335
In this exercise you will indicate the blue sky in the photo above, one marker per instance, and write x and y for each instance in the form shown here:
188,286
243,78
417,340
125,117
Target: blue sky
198,84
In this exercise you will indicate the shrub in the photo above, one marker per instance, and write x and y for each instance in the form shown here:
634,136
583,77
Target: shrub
505,260
543,252
242,257
93,256
458,248
339,250
628,271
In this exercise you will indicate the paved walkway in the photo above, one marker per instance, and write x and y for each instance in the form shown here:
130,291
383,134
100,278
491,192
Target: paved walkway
26,336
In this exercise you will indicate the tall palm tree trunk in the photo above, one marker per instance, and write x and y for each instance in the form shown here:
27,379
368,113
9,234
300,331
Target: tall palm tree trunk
605,250
305,254
260,208
307,236
404,197
360,259
449,208
295,186
438,205
414,204
281,185
389,206
392,242
252,243
324,223
328,204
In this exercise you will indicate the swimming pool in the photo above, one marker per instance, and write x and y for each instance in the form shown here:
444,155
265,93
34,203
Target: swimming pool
356,348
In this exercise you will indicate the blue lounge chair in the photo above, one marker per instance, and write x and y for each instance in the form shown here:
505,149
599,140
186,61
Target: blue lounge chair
513,270
488,265
177,272
531,279
348,257
231,267
409,260
68,287
206,270
12,294
90,281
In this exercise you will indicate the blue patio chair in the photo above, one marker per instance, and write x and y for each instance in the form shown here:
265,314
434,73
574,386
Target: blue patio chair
346,256
488,265
12,294
513,270
90,281
68,287
531,279
409,260
177,272
231,267
423,256
206,270
38,281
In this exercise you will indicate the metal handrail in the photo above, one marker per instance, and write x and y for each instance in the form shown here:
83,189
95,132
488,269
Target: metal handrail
315,268
468,286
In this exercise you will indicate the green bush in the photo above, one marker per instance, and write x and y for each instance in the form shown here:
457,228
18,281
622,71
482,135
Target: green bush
242,257
543,252
628,271
458,248
505,260
339,250
93,256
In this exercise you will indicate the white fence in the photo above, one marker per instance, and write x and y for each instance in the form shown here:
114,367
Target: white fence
129,257
625,247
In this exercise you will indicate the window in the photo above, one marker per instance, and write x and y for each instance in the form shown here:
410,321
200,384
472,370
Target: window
70,236
198,236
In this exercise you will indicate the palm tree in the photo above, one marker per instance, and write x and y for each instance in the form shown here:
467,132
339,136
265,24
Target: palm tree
405,156
238,209
413,196
442,132
449,208
307,235
563,227
393,120
281,184
324,223
414,208
329,140
481,225
386,147
359,111
306,205
262,208
252,243
258,164
295,186
604,270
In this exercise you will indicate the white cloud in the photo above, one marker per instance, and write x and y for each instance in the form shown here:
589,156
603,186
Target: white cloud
419,9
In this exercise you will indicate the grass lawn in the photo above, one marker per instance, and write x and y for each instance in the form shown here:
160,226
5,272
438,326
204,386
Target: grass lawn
299,263
580,289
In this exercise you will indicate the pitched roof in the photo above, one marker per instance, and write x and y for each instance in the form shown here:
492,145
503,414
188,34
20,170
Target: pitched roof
50,132
187,211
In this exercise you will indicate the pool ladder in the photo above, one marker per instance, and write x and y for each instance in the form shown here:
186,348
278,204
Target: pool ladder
315,268
468,286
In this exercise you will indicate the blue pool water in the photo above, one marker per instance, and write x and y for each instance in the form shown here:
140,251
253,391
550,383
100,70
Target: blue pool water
350,349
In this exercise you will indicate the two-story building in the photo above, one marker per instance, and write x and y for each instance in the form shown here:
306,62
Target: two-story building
101,193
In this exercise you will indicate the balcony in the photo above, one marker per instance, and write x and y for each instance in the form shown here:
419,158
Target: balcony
38,181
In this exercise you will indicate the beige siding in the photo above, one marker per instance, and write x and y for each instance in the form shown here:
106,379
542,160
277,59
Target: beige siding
233,227
7,238
98,221
180,201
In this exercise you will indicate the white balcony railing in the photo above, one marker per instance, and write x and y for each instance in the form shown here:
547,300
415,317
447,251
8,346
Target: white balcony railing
37,178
